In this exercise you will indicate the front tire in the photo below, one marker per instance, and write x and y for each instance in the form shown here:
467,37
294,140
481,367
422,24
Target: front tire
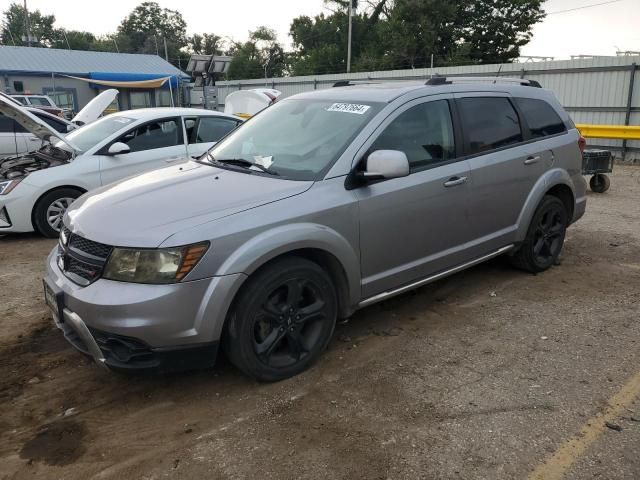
48,212
282,320
545,237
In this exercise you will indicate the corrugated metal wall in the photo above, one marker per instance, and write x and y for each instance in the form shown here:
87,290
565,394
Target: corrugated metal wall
594,90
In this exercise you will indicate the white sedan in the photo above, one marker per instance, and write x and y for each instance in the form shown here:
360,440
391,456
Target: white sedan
37,188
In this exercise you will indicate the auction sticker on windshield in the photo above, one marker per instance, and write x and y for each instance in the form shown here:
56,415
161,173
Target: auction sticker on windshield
349,108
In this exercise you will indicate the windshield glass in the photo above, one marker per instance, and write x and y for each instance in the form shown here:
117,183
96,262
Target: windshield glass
39,101
89,135
297,139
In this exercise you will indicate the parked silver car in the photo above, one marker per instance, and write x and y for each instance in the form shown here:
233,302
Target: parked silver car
324,203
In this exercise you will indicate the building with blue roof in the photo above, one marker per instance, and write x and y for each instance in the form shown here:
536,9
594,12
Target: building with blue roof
73,77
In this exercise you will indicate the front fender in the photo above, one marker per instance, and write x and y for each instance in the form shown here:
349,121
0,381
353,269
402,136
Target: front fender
550,179
269,244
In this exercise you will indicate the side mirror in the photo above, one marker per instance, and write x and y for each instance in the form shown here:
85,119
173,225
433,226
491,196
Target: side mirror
118,148
386,164
71,127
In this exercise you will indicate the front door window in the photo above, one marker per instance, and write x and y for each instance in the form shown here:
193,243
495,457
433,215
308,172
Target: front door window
424,133
159,134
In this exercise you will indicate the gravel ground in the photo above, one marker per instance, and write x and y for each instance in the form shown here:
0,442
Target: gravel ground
483,375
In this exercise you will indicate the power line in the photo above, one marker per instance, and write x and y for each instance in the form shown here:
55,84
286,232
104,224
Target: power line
584,6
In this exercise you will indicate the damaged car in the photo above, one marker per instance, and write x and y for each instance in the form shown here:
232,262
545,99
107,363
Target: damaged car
37,188
324,203
16,140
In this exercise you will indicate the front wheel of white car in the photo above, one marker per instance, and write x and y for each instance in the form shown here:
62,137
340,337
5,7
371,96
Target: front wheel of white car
50,209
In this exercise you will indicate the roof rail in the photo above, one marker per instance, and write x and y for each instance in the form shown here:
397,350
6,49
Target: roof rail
443,80
349,83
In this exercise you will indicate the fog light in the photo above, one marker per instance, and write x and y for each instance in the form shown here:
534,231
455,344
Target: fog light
4,218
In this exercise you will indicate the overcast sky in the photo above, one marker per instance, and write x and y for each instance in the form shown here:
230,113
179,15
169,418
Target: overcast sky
599,30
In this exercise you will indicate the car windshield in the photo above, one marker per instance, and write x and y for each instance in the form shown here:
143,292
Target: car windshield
298,139
39,101
89,135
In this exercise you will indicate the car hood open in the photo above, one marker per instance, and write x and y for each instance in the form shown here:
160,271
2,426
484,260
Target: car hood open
144,211
95,107
32,123
246,103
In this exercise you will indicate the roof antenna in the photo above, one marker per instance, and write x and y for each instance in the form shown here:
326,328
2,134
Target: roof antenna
498,74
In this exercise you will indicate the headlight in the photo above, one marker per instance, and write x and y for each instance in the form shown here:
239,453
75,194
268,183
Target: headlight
162,265
7,185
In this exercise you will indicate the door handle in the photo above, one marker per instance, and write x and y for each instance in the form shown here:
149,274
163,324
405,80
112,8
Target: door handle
453,181
34,138
172,159
531,160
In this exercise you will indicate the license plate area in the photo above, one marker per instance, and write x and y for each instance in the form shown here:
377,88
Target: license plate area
54,298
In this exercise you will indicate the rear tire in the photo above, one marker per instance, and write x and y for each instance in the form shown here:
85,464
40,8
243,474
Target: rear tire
48,212
282,320
599,183
545,237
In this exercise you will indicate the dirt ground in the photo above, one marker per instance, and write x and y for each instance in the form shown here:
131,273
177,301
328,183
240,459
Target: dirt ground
484,375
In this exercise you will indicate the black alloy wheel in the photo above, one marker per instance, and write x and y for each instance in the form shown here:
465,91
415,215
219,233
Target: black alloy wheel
549,234
283,319
545,237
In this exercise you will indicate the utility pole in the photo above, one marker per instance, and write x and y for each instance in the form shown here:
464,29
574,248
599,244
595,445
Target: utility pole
66,39
349,35
166,55
27,24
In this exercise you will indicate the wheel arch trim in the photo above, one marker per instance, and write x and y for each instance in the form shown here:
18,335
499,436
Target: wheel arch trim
548,181
265,247
287,239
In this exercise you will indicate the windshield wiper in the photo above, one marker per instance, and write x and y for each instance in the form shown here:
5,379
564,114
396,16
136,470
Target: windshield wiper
241,162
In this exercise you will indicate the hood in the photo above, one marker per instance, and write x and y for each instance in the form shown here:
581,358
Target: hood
95,107
144,211
32,123
246,103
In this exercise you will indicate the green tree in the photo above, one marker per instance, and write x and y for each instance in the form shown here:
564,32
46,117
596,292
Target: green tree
493,31
258,57
205,44
73,39
390,34
148,25
14,26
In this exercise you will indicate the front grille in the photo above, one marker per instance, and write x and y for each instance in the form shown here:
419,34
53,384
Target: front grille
81,260
89,247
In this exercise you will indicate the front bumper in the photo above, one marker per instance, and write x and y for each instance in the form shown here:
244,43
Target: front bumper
17,206
129,326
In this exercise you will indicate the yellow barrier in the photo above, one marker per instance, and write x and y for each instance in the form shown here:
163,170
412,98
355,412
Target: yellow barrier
619,132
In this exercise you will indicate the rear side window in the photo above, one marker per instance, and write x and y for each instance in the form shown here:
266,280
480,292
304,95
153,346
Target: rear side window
541,118
489,123
424,133
9,125
208,129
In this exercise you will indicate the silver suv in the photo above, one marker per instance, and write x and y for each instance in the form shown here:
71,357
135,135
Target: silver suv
324,203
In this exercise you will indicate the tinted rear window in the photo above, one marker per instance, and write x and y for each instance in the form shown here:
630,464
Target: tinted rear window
541,118
489,123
